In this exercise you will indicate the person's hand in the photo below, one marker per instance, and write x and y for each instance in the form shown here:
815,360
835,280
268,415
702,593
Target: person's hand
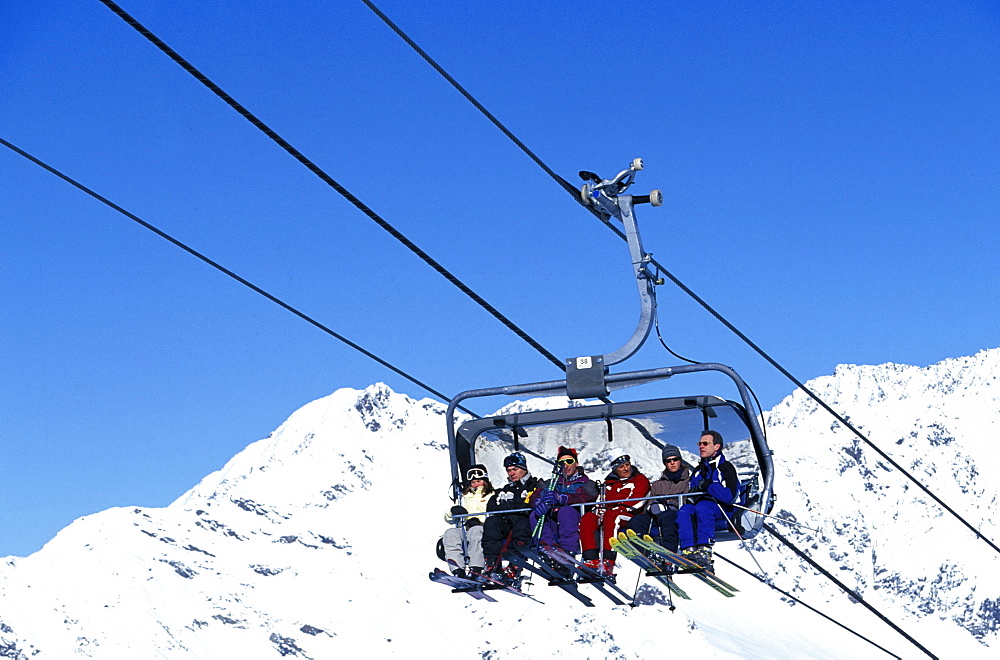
541,507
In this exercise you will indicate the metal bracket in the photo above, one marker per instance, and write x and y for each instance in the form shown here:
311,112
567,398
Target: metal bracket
585,377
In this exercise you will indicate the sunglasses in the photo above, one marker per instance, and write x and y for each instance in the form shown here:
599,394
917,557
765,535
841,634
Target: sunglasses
567,461
671,460
705,443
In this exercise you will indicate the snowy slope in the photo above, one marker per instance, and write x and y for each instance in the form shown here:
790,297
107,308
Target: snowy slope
316,541
881,534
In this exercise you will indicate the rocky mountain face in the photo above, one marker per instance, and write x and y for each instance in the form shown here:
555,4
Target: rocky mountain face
316,541
882,534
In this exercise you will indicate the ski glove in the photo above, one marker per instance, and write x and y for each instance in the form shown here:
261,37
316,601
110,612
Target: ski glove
562,498
541,507
547,496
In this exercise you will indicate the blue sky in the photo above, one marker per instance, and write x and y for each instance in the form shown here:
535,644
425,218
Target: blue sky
830,174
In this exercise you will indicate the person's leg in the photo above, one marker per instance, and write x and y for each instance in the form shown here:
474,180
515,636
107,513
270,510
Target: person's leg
474,540
685,526
666,522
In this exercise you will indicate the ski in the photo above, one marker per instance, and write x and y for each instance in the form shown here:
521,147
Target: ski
489,583
534,562
630,552
460,585
694,566
585,574
683,564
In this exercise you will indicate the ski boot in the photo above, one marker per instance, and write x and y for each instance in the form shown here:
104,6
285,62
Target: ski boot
702,555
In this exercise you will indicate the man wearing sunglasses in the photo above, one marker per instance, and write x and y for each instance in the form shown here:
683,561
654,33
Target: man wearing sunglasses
717,483
675,480
562,520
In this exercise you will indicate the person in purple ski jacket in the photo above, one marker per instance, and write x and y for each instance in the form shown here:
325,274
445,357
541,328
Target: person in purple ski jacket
562,520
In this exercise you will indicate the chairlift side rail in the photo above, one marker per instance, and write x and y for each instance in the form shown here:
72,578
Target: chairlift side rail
580,505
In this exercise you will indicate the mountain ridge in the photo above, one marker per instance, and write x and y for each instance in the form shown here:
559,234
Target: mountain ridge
315,540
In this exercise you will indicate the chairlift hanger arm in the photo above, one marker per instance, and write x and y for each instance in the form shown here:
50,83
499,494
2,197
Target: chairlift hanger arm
606,197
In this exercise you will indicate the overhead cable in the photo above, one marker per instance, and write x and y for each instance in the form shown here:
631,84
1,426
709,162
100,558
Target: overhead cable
850,592
223,269
806,605
683,287
326,178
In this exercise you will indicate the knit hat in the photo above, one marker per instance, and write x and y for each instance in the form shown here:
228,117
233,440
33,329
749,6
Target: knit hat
517,460
671,451
566,451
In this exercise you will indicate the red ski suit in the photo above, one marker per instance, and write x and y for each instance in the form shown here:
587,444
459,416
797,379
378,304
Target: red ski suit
618,510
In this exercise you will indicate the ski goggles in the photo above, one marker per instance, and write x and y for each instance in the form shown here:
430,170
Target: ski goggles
475,473
567,460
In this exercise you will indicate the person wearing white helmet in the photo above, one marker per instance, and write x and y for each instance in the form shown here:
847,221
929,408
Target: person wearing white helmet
599,526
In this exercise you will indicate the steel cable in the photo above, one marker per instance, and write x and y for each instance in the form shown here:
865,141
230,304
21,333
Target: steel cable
326,178
162,234
683,287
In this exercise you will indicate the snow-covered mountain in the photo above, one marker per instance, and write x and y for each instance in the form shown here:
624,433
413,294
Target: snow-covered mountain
317,540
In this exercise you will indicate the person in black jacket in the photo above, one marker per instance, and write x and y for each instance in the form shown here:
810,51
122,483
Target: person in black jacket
716,480
514,495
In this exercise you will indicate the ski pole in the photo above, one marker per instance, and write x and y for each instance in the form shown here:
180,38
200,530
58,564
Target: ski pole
742,540
537,532
767,515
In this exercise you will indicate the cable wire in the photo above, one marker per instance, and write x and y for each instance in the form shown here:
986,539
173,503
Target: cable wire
661,269
850,592
326,178
226,271
806,605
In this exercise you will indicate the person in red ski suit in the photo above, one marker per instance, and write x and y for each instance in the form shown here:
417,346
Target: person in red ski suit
624,482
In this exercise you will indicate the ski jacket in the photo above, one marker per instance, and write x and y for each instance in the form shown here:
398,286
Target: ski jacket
514,495
672,483
617,489
578,489
717,479
473,502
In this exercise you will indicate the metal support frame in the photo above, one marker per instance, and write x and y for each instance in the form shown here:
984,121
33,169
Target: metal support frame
586,375
461,449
